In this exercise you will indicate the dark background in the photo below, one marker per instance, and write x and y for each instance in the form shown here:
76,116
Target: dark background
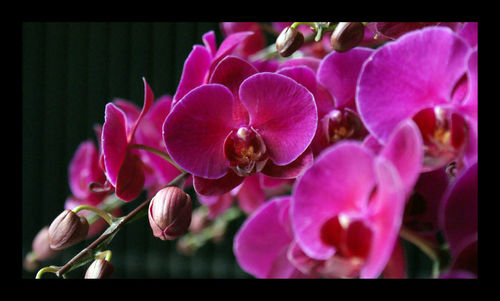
70,70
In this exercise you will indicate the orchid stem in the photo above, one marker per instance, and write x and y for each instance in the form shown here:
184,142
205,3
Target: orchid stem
157,152
105,215
109,233
425,246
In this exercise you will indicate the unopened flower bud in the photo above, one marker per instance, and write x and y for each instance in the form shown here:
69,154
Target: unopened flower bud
347,35
170,213
67,229
99,269
289,41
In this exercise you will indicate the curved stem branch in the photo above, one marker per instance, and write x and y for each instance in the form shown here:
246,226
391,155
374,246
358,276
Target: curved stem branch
113,229
105,215
157,152
425,246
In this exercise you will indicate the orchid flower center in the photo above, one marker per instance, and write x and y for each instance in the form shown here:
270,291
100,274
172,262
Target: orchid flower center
444,134
350,237
341,124
246,151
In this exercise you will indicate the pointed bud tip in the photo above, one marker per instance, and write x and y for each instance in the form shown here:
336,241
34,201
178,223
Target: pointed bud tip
170,213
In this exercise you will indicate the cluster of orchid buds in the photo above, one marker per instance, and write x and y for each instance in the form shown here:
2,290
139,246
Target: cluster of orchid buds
337,143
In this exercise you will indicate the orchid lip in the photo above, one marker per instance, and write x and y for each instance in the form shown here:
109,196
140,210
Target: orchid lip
246,151
444,133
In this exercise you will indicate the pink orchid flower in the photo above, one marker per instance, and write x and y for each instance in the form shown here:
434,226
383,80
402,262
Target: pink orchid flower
348,207
394,30
123,166
423,75
265,247
220,139
202,60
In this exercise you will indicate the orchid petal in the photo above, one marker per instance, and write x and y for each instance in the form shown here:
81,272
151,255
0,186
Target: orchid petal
339,73
291,170
214,187
282,112
404,149
417,71
195,130
130,180
262,240
194,72
385,218
114,141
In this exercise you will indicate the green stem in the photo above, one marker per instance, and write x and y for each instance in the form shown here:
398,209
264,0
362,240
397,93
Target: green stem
425,246
157,152
106,237
105,215
50,269
104,254
311,24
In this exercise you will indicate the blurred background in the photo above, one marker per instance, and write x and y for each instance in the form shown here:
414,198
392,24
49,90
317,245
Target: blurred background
69,72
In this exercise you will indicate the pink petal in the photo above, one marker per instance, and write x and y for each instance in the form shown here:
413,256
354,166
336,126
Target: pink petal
251,195
209,42
148,102
340,180
311,62
385,218
114,141
194,72
262,241
215,187
283,112
228,45
416,71
459,211
130,180
339,73
301,74
291,170
404,149
84,169
231,72
469,33
195,130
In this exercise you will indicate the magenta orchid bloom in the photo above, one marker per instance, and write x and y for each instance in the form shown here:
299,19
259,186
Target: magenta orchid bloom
422,75
459,219
262,244
349,205
124,168
202,61
220,139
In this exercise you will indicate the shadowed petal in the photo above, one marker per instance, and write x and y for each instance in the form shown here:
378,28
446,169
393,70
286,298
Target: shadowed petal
194,72
215,187
339,73
130,180
114,141
195,130
283,113
291,170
